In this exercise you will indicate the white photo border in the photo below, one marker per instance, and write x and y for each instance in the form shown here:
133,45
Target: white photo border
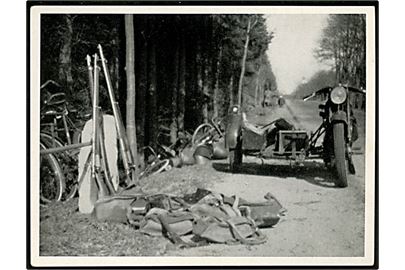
370,189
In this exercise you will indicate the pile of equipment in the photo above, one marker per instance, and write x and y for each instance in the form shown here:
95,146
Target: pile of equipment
193,219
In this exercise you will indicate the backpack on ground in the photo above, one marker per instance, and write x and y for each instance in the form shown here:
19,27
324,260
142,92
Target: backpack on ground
206,216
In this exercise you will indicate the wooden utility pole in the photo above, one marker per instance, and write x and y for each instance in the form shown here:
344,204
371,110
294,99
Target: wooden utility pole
130,72
231,92
245,50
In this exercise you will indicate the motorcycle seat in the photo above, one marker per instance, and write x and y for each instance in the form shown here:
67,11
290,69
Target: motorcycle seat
257,128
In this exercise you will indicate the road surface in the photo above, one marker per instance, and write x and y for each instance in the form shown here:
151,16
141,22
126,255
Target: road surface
321,220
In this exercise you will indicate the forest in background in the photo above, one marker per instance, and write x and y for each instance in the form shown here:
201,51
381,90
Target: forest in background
187,67
343,48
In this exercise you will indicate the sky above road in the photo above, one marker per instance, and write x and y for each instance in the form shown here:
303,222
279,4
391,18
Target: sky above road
291,52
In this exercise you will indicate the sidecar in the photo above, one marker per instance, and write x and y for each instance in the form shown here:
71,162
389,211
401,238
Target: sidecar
275,139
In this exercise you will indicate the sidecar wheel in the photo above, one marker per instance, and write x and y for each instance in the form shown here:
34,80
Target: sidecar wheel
235,158
340,155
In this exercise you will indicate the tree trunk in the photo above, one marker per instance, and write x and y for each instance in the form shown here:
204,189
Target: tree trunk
130,72
231,95
206,68
65,59
337,75
260,95
175,91
115,63
200,69
152,120
242,70
182,84
206,92
217,76
142,84
257,89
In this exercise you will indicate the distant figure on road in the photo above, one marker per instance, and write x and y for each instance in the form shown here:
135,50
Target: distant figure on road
281,101
267,98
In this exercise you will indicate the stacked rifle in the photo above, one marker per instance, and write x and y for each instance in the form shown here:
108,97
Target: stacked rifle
97,157
100,172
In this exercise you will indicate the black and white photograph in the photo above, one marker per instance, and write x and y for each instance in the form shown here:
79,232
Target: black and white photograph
202,135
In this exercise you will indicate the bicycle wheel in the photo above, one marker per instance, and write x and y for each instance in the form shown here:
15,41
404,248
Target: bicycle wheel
50,141
52,181
156,167
202,132
68,164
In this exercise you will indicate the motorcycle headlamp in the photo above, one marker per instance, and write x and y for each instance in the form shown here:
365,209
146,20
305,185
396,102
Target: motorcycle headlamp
235,109
338,95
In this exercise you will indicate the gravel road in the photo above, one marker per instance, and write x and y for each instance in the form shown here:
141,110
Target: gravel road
321,220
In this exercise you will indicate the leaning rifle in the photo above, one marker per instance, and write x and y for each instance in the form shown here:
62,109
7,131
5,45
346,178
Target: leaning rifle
100,130
123,140
95,143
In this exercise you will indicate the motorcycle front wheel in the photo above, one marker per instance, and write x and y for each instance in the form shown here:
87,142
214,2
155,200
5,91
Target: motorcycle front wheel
339,146
236,157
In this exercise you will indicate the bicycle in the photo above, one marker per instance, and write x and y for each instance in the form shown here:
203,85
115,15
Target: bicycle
67,164
156,164
205,130
55,116
55,125
52,182
164,158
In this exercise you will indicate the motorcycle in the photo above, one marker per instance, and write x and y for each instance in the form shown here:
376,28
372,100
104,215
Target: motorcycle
280,139
340,132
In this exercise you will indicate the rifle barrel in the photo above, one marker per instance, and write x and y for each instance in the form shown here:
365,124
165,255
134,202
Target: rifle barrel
126,154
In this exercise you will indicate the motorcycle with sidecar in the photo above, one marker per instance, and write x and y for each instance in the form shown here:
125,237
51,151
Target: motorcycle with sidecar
280,139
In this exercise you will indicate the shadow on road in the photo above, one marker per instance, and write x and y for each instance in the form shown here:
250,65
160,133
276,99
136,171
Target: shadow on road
313,173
